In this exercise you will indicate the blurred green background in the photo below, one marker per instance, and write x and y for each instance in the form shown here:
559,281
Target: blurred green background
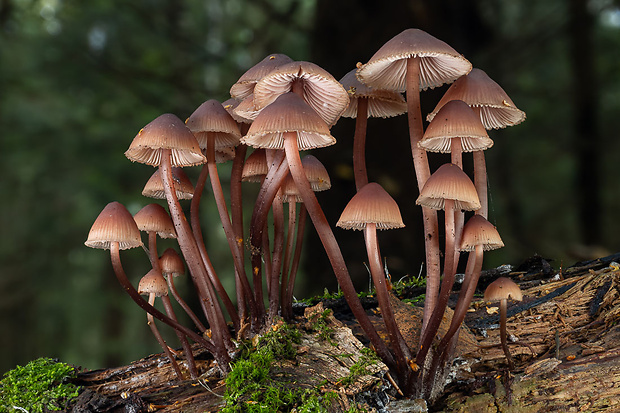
79,79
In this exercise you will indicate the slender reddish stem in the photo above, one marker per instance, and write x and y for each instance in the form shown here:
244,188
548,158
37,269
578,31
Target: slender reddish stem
332,248
446,287
359,144
151,323
215,280
276,257
286,261
187,350
503,315
301,224
183,304
422,170
480,182
399,347
133,293
193,259
218,194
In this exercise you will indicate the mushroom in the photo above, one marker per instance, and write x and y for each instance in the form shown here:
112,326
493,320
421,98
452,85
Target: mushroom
409,62
171,267
215,129
495,109
115,230
449,188
154,187
245,85
502,289
154,285
366,102
166,142
370,209
291,124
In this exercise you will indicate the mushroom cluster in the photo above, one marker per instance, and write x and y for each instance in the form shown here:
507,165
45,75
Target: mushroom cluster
278,108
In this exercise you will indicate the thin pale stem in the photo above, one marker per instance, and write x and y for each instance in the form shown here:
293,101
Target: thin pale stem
503,314
480,182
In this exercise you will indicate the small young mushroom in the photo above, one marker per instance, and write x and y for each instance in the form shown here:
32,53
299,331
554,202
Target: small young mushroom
502,289
154,284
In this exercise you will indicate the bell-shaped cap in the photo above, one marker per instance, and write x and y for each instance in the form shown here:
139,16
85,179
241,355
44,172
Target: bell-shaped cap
315,173
154,218
255,166
455,120
503,289
245,85
320,90
382,103
211,117
371,205
478,90
171,263
289,113
114,224
449,182
183,187
439,63
153,283
165,132
479,231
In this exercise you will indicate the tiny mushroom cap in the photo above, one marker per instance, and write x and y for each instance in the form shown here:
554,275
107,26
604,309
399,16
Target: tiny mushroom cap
114,224
479,91
455,120
153,217
449,182
320,89
165,132
479,231
315,173
288,113
382,103
171,263
154,187
439,63
245,85
153,283
371,205
246,110
211,117
255,167
502,289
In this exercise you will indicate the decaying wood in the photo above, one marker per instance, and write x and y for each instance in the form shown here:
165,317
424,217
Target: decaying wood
575,340
565,340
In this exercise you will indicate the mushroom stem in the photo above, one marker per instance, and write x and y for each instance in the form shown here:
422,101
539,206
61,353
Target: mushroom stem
399,347
472,273
446,287
331,247
197,231
276,258
422,170
183,304
276,174
301,223
503,314
359,144
480,182
151,323
191,364
218,194
221,356
193,259
286,261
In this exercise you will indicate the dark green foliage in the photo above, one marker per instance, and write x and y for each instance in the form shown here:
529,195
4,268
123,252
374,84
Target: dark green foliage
39,386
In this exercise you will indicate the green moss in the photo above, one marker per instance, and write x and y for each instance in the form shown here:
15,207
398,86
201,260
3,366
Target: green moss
358,369
320,323
39,386
250,387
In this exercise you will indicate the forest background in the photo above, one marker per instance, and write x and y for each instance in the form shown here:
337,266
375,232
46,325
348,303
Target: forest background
79,79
